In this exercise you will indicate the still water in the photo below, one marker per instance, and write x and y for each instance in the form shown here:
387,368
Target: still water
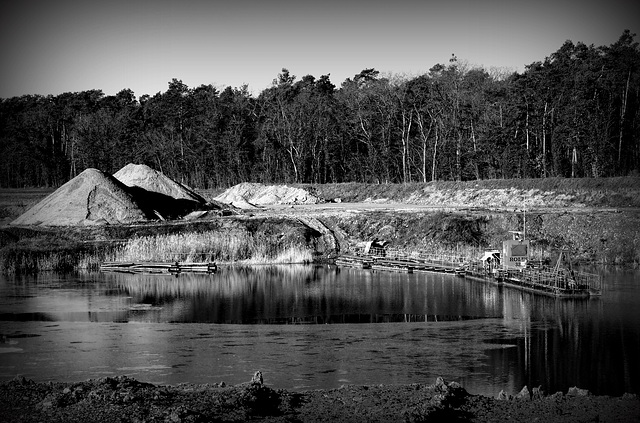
317,327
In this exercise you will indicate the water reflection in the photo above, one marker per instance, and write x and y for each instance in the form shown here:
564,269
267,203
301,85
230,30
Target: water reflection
562,342
304,294
275,319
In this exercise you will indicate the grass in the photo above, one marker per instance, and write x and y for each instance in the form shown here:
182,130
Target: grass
223,248
19,260
262,242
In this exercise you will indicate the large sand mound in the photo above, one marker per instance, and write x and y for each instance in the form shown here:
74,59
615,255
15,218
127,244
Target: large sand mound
158,194
92,197
260,195
151,180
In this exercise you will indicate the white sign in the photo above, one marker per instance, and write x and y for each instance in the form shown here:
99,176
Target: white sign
515,253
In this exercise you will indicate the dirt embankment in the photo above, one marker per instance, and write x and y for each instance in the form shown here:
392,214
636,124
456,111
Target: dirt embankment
602,237
500,194
125,399
598,220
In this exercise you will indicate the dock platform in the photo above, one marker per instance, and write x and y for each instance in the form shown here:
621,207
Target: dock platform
158,267
555,283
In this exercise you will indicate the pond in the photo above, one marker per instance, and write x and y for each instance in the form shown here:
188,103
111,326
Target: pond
319,327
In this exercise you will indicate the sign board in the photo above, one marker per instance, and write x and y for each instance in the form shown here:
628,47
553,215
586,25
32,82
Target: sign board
515,253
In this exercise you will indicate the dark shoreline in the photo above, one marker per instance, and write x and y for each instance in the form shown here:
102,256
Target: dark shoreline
128,400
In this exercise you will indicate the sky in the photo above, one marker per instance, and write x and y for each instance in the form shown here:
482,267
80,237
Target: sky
55,46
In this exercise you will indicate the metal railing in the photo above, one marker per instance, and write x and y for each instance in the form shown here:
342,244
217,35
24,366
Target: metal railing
420,257
541,278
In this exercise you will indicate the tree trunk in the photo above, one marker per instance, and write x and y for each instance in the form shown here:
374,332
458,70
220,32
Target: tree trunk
406,131
544,141
475,151
435,151
526,126
623,110
424,137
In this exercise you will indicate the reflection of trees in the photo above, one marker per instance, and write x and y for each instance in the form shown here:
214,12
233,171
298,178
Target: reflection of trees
310,294
586,349
572,342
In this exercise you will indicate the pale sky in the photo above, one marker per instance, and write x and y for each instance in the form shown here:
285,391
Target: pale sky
56,46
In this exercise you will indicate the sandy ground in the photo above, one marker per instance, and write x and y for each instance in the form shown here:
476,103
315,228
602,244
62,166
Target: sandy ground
122,399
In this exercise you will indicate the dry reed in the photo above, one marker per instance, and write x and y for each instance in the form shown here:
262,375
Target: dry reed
228,247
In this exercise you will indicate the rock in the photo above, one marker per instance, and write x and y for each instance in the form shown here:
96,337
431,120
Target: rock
257,378
441,385
447,394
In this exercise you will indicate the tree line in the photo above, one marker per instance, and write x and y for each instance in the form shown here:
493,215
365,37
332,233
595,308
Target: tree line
574,114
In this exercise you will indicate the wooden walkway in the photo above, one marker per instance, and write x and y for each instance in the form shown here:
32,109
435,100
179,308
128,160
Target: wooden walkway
562,284
158,267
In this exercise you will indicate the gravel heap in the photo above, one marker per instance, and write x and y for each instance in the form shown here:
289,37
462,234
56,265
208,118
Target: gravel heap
92,197
158,194
135,193
247,195
142,176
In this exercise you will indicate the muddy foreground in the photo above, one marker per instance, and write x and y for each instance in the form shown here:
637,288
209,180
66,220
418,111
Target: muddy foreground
123,399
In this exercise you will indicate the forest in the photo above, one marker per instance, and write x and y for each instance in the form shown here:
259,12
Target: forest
574,114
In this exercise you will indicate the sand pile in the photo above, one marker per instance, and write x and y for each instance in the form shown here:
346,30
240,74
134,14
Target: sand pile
92,197
135,193
159,194
246,195
151,180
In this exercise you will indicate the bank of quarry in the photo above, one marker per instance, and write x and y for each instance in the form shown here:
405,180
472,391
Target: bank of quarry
596,220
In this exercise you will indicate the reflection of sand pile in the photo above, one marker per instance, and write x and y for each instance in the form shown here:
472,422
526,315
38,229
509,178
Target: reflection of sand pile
252,194
159,194
92,197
